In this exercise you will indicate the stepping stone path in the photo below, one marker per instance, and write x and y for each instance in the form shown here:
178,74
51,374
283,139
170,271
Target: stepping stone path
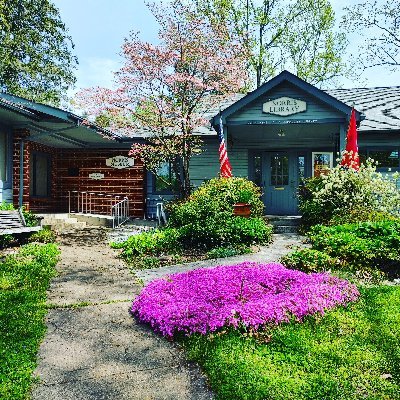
93,348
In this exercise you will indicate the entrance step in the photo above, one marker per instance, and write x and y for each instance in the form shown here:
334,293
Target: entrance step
61,221
284,223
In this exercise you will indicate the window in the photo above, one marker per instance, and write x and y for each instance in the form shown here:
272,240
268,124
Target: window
279,170
388,159
40,175
322,161
165,181
3,156
301,165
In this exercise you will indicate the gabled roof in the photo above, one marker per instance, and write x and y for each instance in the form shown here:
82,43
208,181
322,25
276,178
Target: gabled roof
296,81
21,112
381,106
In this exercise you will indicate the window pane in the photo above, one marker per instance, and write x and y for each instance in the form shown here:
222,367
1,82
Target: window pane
385,158
279,170
166,181
321,163
41,175
3,156
301,163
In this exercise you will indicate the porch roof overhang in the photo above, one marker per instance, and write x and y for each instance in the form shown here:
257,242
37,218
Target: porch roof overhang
52,126
286,76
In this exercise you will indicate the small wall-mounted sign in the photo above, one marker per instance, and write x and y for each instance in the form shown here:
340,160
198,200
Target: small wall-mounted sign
120,162
284,106
96,176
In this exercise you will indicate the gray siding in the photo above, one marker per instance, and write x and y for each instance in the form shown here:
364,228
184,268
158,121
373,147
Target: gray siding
206,165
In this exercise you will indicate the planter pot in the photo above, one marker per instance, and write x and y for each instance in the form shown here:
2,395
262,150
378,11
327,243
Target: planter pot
242,209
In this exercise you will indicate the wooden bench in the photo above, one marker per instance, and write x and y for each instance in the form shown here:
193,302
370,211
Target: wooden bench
13,222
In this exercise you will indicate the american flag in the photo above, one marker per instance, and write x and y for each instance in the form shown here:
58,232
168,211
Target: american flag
225,165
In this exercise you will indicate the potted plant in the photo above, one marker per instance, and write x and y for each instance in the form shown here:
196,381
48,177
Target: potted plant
242,207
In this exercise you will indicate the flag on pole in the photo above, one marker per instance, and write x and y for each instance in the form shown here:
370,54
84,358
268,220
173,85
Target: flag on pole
225,165
350,158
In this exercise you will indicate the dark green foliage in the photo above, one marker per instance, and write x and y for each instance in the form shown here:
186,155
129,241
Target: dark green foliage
214,200
24,279
152,243
6,241
205,221
223,232
361,215
43,236
373,245
230,251
206,218
350,354
35,51
30,218
309,260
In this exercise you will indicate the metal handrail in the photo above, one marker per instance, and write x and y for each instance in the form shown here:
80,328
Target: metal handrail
87,202
120,212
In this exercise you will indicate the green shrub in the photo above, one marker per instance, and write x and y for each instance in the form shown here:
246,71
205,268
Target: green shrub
215,199
43,236
206,219
230,231
151,243
30,218
367,245
6,241
6,206
346,192
223,252
309,260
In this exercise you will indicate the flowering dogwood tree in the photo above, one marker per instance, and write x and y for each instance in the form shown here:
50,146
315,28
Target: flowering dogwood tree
165,90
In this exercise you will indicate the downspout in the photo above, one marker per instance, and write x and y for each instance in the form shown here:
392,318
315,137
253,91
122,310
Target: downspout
21,173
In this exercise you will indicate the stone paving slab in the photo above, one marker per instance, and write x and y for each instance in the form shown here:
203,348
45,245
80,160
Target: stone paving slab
99,351
282,244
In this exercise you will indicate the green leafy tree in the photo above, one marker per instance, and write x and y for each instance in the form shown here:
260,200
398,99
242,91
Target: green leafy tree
297,35
380,22
36,59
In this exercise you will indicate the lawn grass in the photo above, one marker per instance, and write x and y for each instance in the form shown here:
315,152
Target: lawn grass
350,353
24,278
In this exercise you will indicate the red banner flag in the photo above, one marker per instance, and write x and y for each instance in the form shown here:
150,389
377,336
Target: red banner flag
350,158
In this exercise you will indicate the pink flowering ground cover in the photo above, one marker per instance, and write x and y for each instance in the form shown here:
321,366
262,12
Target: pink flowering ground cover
246,294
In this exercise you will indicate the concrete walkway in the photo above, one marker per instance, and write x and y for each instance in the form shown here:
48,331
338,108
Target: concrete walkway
282,244
94,349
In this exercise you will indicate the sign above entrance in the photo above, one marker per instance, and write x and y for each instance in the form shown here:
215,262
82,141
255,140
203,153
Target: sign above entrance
120,162
284,106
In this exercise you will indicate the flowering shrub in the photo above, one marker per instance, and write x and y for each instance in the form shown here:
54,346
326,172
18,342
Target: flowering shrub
345,190
247,294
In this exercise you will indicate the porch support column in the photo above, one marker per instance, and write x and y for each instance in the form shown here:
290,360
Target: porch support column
21,173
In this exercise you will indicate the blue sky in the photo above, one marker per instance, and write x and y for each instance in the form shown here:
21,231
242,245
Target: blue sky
98,29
